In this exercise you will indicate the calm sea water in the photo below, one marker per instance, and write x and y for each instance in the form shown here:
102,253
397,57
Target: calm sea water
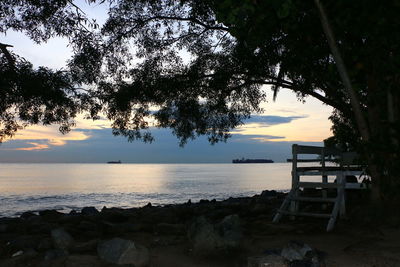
65,187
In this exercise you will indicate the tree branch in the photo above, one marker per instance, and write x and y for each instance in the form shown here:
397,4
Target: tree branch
10,58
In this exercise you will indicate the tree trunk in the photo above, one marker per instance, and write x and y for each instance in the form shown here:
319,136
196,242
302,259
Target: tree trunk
378,173
360,120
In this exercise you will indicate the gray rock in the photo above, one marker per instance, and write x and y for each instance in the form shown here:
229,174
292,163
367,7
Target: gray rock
89,211
18,253
54,254
207,238
204,237
61,239
121,251
266,261
300,254
295,251
230,231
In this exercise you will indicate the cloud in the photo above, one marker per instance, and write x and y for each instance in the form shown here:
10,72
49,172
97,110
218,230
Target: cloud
44,137
36,146
256,137
102,146
268,120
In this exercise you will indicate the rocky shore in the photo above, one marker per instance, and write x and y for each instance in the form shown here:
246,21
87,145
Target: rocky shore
233,232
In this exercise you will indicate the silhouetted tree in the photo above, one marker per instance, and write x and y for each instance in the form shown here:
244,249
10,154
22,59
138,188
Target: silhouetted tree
199,67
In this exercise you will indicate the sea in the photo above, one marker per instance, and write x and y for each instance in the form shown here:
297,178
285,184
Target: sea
67,187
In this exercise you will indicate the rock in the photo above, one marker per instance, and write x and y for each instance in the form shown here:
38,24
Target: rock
204,238
120,228
268,194
73,212
24,242
30,253
170,229
18,253
300,254
121,251
295,251
87,226
87,246
74,218
266,261
114,215
45,244
89,211
230,230
82,261
44,228
27,214
3,228
259,208
61,239
50,215
54,254
210,239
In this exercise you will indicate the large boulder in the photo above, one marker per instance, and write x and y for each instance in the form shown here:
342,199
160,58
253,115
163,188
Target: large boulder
204,238
300,254
230,230
61,239
295,251
121,251
210,238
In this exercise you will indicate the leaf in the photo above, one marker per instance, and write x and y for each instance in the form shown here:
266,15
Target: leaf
284,9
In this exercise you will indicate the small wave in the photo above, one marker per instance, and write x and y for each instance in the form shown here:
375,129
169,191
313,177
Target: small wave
17,204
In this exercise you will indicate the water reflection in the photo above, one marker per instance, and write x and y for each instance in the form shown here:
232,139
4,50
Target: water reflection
72,186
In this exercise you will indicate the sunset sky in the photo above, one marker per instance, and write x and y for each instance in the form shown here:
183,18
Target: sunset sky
268,135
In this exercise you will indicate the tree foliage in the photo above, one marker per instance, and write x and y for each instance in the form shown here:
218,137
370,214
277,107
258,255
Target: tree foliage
199,67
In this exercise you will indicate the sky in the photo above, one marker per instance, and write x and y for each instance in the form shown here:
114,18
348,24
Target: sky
283,122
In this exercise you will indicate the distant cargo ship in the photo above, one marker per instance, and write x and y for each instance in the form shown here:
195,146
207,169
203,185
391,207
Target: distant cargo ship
243,160
114,162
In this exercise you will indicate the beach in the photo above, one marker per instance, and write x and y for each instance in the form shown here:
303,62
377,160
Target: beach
233,232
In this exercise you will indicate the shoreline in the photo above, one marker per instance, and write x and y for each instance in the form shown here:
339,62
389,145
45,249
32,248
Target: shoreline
66,208
238,232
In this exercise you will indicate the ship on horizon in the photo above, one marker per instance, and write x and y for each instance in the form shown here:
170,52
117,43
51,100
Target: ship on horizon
114,162
243,160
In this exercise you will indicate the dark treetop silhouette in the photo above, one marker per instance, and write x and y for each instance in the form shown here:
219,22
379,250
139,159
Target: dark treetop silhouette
202,64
